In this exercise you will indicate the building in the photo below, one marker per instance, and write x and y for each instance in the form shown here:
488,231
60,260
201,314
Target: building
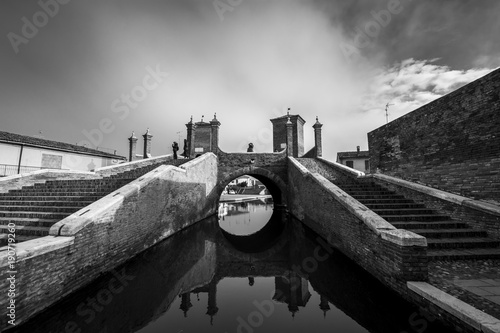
279,133
359,159
21,153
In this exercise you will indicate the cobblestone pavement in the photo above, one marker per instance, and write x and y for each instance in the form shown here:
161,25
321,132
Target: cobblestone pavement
476,282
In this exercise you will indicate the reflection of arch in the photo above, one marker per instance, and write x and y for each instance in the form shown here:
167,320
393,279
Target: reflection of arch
273,182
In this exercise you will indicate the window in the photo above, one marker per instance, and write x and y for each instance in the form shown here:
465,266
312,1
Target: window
367,165
350,164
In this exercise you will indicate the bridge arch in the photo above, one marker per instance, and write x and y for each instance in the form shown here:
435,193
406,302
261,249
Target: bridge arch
273,182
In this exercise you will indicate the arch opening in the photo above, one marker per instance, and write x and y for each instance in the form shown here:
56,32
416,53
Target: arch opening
247,212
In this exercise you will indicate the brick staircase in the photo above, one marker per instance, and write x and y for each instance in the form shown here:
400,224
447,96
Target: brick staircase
447,238
34,209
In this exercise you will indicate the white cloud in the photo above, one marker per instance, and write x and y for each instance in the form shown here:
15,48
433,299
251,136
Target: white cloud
413,83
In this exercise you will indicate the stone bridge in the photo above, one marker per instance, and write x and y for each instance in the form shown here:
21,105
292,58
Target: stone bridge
118,212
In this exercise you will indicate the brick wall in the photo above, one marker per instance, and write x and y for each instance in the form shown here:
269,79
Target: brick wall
319,204
452,143
109,232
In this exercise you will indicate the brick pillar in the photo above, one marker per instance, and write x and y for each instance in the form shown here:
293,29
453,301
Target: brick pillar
317,138
191,131
147,144
214,144
289,137
132,147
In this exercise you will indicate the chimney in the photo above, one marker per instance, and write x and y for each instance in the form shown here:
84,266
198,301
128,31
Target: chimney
132,147
317,138
357,149
191,131
147,144
214,144
289,136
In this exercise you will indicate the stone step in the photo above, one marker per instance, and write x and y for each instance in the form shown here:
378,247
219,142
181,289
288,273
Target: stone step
415,217
458,243
55,209
43,191
449,224
404,211
53,193
76,186
385,201
33,222
46,203
450,233
41,215
392,206
381,192
377,197
70,198
26,230
464,254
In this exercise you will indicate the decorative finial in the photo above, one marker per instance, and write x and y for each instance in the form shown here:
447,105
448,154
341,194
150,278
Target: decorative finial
316,118
191,119
202,118
147,132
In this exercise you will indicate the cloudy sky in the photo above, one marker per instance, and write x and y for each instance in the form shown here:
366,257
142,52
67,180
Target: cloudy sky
76,69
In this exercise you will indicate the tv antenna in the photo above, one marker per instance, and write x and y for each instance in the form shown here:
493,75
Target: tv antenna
387,113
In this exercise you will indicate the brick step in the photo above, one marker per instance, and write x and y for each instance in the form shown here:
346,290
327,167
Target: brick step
53,193
450,233
450,224
464,254
361,188
79,186
415,217
26,230
404,211
41,215
466,242
64,190
28,198
54,209
381,192
377,197
385,201
33,222
392,206
46,203
19,239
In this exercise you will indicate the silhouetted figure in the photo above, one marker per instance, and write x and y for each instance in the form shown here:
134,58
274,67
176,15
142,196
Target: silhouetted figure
251,281
184,153
175,148
250,148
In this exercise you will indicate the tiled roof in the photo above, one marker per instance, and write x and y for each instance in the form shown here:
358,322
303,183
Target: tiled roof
32,141
353,154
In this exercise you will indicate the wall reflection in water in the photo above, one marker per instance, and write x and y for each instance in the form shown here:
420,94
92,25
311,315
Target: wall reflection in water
202,281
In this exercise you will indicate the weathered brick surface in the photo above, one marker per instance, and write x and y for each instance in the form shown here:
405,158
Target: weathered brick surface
170,202
318,208
452,143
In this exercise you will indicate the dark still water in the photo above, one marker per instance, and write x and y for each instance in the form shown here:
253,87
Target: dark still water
282,278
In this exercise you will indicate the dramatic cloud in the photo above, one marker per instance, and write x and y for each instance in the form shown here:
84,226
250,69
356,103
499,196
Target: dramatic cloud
413,83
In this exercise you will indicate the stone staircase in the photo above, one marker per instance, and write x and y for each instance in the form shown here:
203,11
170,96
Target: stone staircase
34,209
447,238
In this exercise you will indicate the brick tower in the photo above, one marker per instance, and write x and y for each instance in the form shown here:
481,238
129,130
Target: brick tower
280,131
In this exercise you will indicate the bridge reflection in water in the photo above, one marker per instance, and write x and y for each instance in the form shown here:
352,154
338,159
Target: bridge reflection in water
207,280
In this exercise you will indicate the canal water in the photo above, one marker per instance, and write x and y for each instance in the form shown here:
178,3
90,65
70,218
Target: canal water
250,269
